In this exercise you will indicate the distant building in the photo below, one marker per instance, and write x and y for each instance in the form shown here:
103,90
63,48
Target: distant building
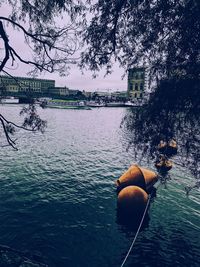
58,91
25,85
102,94
136,83
119,96
73,92
87,94
99,95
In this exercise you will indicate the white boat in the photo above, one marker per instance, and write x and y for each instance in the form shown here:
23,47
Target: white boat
9,100
94,104
66,104
133,104
115,104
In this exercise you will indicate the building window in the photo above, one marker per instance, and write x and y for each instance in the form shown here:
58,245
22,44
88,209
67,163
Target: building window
141,95
136,87
135,95
141,87
131,86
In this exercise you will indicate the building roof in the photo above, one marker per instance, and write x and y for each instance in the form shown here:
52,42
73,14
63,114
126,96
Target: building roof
25,78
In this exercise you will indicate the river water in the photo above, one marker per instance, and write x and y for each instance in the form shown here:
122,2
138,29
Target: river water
58,198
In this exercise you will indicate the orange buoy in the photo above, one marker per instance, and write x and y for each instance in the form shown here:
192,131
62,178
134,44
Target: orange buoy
172,143
162,146
137,176
164,167
163,164
168,148
132,200
150,177
172,147
133,176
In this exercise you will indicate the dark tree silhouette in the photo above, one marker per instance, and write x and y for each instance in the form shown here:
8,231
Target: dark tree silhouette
53,47
163,34
171,113
50,30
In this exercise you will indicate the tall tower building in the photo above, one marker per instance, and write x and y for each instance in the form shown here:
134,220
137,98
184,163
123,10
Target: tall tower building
136,83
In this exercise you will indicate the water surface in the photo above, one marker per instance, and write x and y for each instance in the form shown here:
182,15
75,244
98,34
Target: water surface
58,196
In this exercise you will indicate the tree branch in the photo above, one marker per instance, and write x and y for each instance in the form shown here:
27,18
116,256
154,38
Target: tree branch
17,126
9,140
6,45
45,46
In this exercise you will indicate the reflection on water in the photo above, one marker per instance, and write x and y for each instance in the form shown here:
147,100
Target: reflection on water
131,223
58,198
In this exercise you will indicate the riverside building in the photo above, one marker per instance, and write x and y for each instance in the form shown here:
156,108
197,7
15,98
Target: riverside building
14,85
136,83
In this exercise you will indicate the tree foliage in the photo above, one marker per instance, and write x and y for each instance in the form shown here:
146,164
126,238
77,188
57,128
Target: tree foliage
32,122
162,34
165,117
50,31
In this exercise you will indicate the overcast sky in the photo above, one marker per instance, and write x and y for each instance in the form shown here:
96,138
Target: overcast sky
75,80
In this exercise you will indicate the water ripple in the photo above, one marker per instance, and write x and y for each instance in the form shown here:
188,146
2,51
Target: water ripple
58,197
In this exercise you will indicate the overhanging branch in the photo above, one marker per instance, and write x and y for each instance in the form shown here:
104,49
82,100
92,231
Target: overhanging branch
6,46
45,45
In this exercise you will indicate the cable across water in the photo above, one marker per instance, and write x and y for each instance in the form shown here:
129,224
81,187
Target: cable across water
138,230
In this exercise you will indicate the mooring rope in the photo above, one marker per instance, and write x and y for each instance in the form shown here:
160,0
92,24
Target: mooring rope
138,230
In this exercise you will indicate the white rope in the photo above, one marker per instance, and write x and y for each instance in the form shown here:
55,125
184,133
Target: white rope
138,230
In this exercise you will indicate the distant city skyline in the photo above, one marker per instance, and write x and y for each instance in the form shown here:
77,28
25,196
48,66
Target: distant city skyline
77,80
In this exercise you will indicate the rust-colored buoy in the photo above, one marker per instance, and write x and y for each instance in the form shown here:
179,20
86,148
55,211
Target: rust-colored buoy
172,147
133,176
162,146
168,148
172,143
163,164
150,177
132,200
137,176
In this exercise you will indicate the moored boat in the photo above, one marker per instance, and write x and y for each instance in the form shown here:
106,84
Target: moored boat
133,104
62,104
9,100
115,104
94,104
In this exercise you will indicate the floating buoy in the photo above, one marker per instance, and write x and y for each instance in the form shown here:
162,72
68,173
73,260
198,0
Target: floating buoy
150,177
163,164
137,176
168,148
162,146
133,176
172,148
166,166
132,200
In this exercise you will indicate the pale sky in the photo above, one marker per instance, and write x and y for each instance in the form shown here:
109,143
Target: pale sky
75,80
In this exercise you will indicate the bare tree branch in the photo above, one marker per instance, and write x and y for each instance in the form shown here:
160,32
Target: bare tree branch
45,44
6,45
9,140
17,126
